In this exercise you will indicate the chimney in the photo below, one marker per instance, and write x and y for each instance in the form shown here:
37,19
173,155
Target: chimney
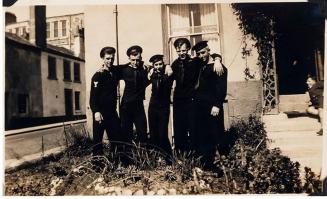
79,48
38,26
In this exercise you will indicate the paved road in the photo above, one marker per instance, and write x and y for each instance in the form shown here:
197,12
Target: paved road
19,145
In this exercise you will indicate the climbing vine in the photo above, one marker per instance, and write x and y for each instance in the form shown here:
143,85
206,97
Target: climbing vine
257,21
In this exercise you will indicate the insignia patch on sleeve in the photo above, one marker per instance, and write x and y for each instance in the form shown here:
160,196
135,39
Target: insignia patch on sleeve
95,84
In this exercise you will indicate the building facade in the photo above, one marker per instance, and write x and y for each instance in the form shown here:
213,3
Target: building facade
43,85
156,34
63,31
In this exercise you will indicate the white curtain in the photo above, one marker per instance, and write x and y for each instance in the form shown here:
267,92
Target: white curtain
180,24
209,23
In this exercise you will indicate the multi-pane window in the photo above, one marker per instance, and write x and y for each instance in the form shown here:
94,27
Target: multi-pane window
63,28
77,72
67,72
24,31
22,103
197,22
52,69
48,30
17,31
77,100
55,29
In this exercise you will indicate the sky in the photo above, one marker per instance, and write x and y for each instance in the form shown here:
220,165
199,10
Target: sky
22,12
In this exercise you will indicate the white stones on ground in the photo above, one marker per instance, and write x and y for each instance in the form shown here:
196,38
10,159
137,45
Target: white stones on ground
139,193
150,193
54,184
118,191
75,170
161,192
172,191
100,189
100,179
184,191
127,192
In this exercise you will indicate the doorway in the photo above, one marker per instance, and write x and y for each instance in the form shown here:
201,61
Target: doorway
69,102
299,46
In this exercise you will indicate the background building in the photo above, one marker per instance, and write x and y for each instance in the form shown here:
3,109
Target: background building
44,83
65,31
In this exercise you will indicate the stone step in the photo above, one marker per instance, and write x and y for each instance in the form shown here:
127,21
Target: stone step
296,102
291,124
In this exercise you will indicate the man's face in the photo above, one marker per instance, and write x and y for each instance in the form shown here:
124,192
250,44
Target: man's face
108,59
158,65
310,82
182,51
135,59
204,54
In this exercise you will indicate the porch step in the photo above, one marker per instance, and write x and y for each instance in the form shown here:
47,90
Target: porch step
280,123
293,102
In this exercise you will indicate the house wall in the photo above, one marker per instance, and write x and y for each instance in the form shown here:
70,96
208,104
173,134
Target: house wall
53,90
141,27
147,32
22,76
244,96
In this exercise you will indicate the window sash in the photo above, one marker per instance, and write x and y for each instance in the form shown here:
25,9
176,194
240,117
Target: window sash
77,101
55,29
67,72
77,72
63,28
52,68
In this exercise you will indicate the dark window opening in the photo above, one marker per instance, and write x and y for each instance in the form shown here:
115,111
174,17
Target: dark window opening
52,69
67,70
77,100
55,29
77,72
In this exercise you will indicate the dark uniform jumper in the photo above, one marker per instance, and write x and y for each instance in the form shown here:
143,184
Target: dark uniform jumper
159,109
103,99
316,94
185,72
132,108
211,90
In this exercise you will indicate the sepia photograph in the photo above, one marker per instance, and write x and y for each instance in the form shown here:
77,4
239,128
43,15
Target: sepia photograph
164,98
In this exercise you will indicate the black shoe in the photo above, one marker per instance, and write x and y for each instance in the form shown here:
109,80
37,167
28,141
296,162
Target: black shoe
320,132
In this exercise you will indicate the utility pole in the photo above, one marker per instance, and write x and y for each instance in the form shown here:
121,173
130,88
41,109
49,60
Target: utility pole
117,54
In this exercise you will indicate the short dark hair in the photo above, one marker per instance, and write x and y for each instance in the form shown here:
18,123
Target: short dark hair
180,41
312,77
107,50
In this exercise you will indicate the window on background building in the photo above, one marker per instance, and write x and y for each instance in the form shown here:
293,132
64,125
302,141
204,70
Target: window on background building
52,68
196,22
10,30
24,31
67,70
22,103
48,30
55,29
77,100
17,31
63,28
77,72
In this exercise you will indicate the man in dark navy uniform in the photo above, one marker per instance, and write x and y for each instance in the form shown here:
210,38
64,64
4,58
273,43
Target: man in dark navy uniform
316,93
103,101
210,93
135,76
185,72
159,107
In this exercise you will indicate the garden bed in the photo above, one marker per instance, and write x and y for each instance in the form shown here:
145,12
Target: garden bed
246,164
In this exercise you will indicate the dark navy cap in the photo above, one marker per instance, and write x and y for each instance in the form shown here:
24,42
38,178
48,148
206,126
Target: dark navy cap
107,50
180,41
156,58
200,45
133,50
